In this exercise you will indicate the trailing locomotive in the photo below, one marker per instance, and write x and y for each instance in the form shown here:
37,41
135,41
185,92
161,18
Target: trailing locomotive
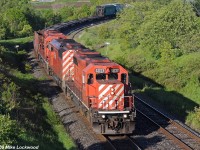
98,86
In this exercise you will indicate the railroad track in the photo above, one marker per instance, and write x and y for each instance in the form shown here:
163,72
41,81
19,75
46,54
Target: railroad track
73,33
70,27
181,136
122,143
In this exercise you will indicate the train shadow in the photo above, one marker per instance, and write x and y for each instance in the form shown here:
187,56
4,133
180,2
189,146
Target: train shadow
172,103
141,142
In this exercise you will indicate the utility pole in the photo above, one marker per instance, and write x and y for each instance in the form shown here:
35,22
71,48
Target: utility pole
17,46
107,43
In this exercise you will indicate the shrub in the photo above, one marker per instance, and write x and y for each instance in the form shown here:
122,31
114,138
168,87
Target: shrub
8,130
193,118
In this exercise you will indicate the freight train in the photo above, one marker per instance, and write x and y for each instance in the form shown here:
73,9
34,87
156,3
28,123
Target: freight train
99,87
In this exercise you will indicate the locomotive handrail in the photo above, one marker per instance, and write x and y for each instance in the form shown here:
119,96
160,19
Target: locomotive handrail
113,112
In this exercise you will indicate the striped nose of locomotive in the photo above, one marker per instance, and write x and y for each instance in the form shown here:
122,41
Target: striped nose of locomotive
111,96
67,64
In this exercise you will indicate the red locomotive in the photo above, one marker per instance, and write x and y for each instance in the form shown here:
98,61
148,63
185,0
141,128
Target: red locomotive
98,86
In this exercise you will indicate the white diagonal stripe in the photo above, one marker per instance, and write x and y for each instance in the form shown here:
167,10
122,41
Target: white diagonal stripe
101,86
65,55
117,95
116,88
105,106
100,95
106,90
71,71
67,60
119,101
71,68
67,67
105,102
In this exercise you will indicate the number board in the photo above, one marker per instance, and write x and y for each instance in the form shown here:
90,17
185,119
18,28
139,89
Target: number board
99,70
115,70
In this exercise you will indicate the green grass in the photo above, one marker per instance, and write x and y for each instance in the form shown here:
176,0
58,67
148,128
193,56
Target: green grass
58,128
40,125
56,2
24,43
18,40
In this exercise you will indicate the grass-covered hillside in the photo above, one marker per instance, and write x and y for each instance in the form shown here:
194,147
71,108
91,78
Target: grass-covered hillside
158,41
26,115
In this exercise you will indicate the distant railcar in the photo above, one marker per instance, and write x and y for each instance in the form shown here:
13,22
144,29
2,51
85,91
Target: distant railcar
108,10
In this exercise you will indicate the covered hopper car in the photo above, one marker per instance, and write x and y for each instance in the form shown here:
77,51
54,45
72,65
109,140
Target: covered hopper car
108,10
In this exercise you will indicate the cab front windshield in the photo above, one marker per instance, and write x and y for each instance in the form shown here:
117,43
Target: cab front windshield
103,76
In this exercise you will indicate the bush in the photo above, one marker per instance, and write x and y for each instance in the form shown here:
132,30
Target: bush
193,118
8,130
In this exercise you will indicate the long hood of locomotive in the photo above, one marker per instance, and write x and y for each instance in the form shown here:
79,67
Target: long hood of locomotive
111,96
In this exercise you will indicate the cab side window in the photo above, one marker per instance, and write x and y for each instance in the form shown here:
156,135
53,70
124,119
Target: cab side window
123,78
90,79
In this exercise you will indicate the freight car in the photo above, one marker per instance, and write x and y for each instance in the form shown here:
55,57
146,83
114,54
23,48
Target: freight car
108,10
99,87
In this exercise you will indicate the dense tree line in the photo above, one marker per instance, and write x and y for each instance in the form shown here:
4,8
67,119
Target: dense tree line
20,19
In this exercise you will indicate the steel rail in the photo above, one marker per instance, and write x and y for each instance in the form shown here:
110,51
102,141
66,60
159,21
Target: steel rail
180,128
189,132
168,134
136,147
127,144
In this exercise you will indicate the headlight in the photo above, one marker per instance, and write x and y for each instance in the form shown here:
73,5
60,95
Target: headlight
125,115
112,89
103,116
112,93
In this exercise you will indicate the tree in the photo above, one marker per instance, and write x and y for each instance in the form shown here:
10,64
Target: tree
10,98
26,31
170,23
2,33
